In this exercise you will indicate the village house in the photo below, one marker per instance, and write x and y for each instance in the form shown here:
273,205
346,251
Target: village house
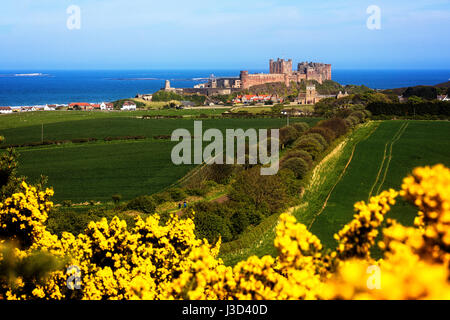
443,98
5,110
128,105
249,98
107,106
27,109
79,105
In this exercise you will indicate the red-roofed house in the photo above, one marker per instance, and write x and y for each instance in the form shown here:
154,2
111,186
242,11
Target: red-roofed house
107,106
128,105
81,105
5,110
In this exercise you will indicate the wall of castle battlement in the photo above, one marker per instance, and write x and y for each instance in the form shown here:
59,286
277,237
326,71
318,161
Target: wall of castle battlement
250,80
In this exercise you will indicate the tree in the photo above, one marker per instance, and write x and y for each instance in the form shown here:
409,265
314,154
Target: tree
337,125
415,100
288,135
310,145
9,180
276,109
425,92
300,126
327,133
265,193
145,204
297,165
299,154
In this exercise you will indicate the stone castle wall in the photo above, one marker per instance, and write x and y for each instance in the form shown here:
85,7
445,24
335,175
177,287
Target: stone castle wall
281,71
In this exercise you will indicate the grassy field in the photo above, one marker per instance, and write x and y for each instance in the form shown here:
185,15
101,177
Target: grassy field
97,170
25,119
381,162
122,126
351,172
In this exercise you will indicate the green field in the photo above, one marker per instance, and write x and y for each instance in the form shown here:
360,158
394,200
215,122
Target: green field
97,170
26,119
347,174
381,162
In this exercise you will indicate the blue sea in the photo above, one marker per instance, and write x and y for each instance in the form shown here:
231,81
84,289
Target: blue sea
38,87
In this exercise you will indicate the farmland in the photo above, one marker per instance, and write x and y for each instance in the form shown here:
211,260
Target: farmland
379,163
374,157
97,170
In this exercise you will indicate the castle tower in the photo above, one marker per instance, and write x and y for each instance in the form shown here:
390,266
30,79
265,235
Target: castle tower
280,66
311,94
244,80
167,85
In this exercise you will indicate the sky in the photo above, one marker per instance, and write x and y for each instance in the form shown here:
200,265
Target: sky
226,34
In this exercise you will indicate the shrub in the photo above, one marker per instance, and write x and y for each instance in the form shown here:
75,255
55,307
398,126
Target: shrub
80,140
327,133
220,173
319,138
337,125
116,198
145,204
300,126
367,113
288,135
358,114
67,203
211,226
352,120
292,184
200,191
162,197
266,193
177,194
299,154
297,165
309,145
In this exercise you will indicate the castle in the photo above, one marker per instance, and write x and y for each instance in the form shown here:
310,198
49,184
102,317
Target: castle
280,71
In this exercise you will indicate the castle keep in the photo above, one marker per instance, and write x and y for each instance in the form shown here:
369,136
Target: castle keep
280,71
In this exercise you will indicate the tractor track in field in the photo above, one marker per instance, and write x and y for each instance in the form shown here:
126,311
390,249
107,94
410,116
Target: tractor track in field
339,179
387,157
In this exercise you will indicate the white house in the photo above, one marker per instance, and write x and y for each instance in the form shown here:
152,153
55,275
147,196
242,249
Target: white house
5,110
49,108
128,105
106,106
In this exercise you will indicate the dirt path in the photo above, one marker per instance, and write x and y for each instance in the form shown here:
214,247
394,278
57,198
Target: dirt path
339,178
387,157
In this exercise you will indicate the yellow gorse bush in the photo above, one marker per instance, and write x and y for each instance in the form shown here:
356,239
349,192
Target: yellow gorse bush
156,261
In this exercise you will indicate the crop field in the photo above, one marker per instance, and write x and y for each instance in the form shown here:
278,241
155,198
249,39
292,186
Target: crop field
348,174
25,119
378,163
97,170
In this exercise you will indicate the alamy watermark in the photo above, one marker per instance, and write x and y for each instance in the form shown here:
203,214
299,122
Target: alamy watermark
214,153
74,19
374,20
74,280
374,280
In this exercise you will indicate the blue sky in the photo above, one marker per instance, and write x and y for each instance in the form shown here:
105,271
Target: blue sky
226,34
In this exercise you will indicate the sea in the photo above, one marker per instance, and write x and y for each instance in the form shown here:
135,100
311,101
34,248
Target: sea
40,87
